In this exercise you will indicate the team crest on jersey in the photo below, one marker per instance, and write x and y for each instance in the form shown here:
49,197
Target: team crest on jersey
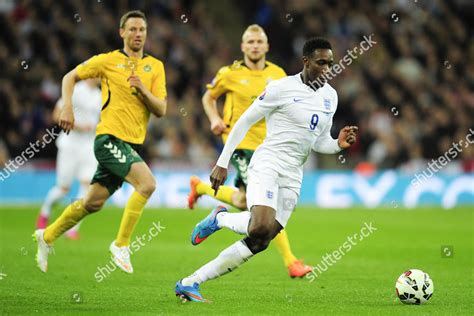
327,104
237,64
147,68
270,194
262,96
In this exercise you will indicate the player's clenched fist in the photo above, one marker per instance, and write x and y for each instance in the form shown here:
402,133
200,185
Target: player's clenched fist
347,136
66,119
218,177
218,126
136,83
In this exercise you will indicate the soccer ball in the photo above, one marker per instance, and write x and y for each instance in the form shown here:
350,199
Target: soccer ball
414,287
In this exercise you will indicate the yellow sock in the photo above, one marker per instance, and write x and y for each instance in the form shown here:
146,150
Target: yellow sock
283,246
70,217
224,194
130,217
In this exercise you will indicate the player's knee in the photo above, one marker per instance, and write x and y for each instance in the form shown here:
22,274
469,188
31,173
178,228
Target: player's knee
93,206
147,187
259,231
256,245
261,246
240,201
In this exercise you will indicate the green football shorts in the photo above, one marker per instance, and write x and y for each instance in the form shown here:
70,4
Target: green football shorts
115,159
241,160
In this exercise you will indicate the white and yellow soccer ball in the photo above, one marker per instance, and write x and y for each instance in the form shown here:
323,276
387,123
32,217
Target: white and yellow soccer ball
414,287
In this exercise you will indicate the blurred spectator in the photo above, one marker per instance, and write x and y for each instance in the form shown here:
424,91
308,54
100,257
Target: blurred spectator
3,154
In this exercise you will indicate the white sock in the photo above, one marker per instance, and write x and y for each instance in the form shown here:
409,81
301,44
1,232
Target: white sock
54,195
228,260
237,222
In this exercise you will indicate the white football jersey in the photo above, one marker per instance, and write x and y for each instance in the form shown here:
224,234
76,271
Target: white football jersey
87,104
298,119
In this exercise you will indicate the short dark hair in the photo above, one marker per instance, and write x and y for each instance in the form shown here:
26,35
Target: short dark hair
131,14
315,43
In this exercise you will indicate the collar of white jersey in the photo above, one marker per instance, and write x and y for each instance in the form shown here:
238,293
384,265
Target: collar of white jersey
300,79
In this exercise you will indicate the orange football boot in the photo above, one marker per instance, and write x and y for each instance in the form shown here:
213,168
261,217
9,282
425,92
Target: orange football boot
193,196
297,269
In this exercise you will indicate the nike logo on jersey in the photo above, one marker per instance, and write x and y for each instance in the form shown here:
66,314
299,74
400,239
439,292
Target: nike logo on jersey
297,100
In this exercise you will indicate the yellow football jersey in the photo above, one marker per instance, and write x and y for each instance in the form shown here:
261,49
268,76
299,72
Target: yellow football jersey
123,114
241,86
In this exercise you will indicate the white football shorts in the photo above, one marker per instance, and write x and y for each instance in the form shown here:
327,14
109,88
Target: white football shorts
264,188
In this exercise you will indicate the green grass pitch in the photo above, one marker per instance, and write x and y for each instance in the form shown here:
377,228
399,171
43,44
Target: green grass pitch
361,282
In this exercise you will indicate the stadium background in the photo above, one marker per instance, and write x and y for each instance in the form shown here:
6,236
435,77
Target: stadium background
411,94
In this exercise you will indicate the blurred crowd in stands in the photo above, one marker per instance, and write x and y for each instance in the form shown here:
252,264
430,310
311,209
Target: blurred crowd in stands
411,94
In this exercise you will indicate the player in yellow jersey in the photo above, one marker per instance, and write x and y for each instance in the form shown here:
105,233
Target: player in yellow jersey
241,83
133,86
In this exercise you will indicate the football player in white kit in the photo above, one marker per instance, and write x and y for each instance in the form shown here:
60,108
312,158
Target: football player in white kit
75,159
299,111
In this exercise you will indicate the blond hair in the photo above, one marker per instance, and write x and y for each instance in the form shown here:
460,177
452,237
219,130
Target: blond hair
254,28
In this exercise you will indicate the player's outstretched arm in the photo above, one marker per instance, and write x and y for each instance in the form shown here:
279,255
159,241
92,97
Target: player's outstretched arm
325,144
57,110
237,134
210,107
66,118
154,104
57,113
266,103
